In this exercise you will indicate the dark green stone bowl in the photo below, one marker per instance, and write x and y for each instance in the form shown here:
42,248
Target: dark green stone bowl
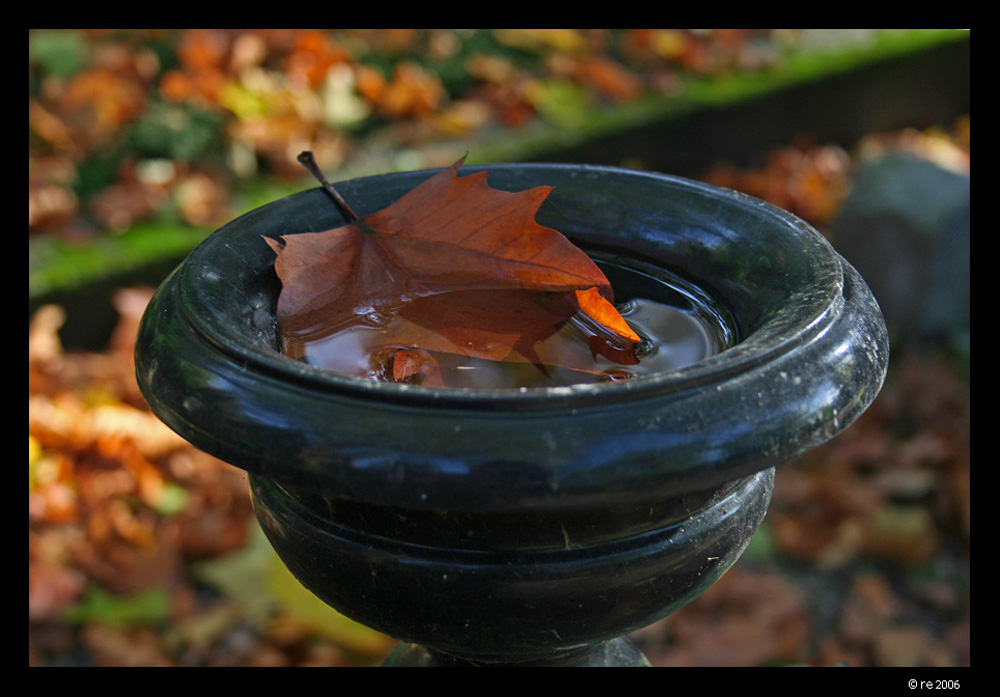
523,525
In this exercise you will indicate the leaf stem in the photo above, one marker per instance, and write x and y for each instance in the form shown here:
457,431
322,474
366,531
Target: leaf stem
309,162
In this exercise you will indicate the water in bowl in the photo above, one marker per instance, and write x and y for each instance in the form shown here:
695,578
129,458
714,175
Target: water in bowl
678,322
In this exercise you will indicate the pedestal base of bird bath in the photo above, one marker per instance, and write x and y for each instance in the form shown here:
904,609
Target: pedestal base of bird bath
616,653
514,588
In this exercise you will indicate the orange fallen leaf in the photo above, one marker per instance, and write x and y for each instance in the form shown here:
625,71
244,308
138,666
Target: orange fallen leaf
465,266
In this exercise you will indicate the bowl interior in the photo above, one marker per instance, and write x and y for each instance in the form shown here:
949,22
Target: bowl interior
774,274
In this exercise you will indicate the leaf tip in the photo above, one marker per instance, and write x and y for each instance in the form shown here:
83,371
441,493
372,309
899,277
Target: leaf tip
276,246
457,164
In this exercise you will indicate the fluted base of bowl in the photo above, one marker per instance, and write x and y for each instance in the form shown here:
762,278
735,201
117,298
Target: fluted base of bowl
617,653
504,603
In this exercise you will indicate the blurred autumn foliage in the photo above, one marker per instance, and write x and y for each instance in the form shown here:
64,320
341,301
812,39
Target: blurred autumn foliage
125,125
121,510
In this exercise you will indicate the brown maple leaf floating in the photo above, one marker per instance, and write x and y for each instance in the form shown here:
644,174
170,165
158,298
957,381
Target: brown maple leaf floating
453,268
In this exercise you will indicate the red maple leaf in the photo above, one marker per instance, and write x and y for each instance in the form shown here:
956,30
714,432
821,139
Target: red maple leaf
465,266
